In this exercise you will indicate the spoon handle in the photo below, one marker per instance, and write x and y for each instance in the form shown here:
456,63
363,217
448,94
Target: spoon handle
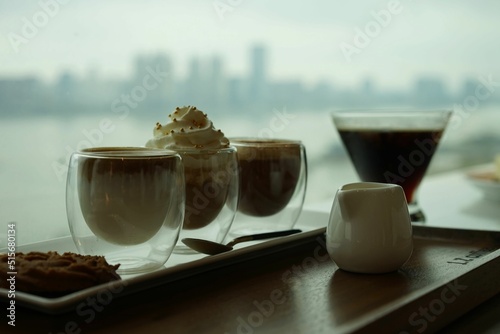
262,236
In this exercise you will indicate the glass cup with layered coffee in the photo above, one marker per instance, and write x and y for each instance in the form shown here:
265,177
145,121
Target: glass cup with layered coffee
126,204
210,170
273,177
211,178
393,146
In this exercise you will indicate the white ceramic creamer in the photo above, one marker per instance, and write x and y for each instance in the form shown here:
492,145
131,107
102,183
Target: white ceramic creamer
369,230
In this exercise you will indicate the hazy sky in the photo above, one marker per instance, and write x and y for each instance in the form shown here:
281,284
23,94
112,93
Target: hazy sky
451,39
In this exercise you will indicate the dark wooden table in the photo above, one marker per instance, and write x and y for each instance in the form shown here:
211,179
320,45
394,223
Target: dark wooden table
299,290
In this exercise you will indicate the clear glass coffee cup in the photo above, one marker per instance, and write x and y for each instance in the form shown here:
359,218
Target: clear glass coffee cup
126,204
273,178
212,186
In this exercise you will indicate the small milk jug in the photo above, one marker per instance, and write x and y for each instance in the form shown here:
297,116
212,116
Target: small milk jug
369,229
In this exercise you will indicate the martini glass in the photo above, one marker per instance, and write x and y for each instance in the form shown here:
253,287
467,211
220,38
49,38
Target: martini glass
393,146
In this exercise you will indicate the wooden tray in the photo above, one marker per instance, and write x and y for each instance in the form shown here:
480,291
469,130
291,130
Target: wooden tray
450,272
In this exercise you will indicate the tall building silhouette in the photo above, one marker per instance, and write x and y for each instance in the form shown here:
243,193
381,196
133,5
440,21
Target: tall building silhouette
430,91
217,83
258,73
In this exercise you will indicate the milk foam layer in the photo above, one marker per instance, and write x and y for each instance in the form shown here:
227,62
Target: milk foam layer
189,128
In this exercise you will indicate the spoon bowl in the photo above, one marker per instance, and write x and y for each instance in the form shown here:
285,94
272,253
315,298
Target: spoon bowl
213,248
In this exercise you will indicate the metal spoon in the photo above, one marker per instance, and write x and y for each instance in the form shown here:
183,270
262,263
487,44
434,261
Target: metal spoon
213,248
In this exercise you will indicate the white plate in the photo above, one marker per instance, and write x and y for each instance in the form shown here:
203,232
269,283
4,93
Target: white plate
177,267
484,179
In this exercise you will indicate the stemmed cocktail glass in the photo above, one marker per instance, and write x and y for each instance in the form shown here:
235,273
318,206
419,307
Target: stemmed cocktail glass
392,146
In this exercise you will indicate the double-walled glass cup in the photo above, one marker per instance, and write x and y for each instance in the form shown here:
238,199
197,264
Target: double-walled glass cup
393,146
273,177
211,182
126,204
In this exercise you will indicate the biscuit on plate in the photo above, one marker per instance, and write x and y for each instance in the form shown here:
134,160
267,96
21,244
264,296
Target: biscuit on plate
54,274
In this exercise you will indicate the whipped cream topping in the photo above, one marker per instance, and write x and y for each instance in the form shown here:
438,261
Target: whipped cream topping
189,128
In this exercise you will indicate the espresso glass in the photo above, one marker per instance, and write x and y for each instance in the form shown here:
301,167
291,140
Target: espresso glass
273,178
212,185
393,146
126,204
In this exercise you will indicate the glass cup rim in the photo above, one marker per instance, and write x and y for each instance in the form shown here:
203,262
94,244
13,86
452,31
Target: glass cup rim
128,152
362,186
204,150
390,112
264,142
392,119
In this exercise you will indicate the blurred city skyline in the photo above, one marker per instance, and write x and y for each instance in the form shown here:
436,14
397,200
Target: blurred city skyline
155,86
341,43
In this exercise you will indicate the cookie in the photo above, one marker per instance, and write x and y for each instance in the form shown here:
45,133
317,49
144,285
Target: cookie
53,274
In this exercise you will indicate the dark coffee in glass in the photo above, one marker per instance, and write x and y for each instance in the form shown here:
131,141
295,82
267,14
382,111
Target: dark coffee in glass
272,177
392,146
